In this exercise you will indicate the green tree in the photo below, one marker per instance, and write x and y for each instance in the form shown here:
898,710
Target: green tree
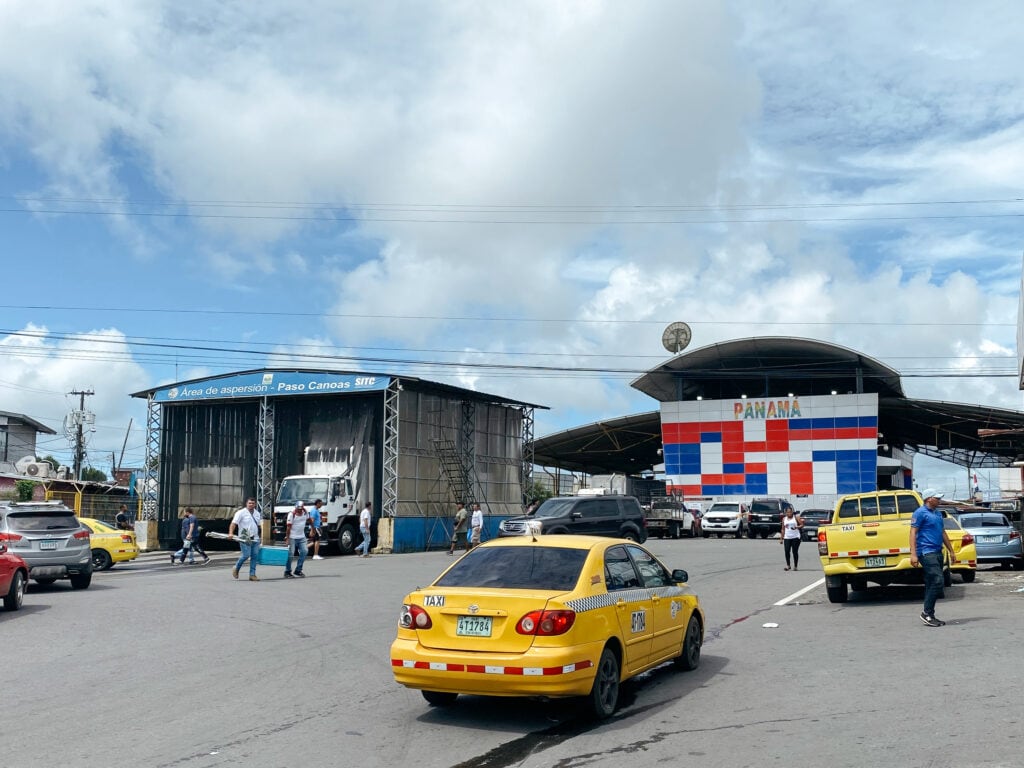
537,492
95,475
24,489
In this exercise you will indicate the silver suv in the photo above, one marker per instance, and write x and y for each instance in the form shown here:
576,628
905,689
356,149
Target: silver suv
49,538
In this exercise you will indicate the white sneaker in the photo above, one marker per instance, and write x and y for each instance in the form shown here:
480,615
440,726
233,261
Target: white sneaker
317,557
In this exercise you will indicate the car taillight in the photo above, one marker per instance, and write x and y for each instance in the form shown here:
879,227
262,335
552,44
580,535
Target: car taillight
822,541
966,539
414,617
546,623
81,535
10,537
1014,535
126,539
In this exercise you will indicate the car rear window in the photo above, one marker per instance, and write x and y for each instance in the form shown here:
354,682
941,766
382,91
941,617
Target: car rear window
41,520
547,568
764,507
984,521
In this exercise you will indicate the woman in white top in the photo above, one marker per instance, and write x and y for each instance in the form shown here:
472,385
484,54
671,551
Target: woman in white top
791,525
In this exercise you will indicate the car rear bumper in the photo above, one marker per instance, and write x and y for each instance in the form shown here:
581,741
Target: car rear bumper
565,671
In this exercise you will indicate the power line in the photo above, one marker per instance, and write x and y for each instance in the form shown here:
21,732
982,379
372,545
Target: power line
479,319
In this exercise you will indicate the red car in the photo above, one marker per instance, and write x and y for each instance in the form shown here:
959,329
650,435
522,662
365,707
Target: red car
13,577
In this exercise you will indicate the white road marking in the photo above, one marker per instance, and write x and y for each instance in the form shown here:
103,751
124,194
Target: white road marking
803,591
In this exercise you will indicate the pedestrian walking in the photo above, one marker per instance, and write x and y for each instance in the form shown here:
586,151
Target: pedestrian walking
316,532
792,532
247,522
365,520
459,531
190,533
927,539
295,535
476,526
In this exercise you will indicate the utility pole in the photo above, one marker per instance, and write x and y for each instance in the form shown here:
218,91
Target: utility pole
80,418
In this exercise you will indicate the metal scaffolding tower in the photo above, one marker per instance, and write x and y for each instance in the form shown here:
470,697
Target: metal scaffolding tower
526,476
151,470
389,484
265,458
469,451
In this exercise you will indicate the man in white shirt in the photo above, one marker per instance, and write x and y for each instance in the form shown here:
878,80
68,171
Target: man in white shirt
476,525
365,520
247,522
295,535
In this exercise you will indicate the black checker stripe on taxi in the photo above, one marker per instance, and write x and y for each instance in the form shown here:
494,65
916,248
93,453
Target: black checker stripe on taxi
582,604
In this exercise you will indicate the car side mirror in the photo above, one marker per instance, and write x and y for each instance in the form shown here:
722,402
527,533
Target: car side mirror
680,576
3,548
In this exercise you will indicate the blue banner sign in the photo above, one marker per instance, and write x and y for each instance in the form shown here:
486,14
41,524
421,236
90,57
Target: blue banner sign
271,384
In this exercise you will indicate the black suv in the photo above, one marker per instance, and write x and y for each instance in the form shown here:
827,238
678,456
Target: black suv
814,519
609,515
765,517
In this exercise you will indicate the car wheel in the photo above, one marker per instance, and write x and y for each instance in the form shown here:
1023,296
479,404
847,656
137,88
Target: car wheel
705,535
947,578
604,696
750,534
629,536
81,580
967,576
1018,565
47,581
837,594
690,657
675,531
16,594
347,539
693,531
101,560
720,535
439,698
763,534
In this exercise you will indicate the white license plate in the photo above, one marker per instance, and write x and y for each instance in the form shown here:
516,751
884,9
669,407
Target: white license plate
474,626
874,562
47,544
988,539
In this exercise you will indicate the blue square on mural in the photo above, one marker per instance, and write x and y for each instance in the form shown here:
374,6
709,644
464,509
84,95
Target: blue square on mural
732,469
845,422
713,490
823,455
711,437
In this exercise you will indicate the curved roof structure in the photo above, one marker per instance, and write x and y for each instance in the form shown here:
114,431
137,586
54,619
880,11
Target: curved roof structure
970,435
768,366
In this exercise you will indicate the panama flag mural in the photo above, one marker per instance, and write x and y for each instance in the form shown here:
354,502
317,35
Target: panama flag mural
808,445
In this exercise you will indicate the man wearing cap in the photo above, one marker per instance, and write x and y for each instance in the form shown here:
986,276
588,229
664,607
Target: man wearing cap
927,538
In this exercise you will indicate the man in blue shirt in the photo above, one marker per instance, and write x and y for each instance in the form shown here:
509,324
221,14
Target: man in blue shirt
927,538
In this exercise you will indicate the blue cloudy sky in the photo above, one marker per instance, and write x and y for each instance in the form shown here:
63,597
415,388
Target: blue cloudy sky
195,188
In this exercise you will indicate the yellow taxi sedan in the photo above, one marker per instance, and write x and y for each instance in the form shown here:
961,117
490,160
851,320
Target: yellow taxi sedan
551,616
109,545
965,553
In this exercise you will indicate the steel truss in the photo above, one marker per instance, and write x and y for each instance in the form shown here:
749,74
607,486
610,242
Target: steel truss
151,470
265,458
389,484
526,475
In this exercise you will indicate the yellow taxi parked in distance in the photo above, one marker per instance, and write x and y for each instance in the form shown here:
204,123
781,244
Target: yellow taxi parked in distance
546,616
965,554
109,545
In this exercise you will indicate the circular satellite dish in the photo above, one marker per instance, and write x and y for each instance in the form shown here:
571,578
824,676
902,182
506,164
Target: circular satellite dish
676,337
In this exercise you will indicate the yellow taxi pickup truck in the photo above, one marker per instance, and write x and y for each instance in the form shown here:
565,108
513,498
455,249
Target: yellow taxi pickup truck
868,540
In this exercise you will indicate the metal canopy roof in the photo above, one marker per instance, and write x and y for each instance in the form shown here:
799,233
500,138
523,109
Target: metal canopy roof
969,435
769,366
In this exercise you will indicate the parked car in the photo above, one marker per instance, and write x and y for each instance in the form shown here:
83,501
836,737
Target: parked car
51,541
813,519
606,515
109,545
965,556
765,517
550,616
13,578
724,518
995,539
